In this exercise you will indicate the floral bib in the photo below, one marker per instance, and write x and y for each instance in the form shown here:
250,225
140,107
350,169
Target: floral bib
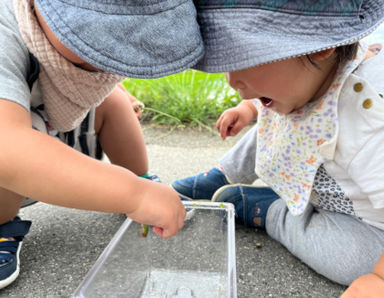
291,148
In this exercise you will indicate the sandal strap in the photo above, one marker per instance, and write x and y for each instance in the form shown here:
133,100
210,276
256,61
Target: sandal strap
9,246
15,228
5,258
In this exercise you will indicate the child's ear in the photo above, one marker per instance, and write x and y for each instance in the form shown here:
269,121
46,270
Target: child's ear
322,55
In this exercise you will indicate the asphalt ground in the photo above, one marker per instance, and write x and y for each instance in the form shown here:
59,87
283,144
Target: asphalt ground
63,243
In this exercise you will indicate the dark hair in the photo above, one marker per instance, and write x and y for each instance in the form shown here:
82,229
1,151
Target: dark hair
347,52
344,53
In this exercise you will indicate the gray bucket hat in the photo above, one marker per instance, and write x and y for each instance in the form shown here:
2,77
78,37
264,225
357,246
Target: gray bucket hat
239,34
135,38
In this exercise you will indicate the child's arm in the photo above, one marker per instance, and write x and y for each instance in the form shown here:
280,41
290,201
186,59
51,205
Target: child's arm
36,165
369,285
233,120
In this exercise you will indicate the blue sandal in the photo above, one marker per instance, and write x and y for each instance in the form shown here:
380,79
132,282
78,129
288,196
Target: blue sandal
11,237
201,186
251,202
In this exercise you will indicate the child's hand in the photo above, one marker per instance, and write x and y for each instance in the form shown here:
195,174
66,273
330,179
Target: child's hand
230,123
161,207
137,105
233,120
370,285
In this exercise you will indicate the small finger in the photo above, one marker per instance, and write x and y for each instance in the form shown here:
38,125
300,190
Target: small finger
159,231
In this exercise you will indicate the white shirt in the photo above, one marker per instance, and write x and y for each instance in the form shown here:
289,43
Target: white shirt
358,163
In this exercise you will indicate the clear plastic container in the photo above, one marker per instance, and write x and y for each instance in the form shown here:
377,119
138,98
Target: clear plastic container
200,261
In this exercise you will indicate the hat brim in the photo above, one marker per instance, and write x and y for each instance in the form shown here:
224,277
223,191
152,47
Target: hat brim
239,38
133,39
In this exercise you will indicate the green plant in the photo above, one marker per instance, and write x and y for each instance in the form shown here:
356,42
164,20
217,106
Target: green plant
190,98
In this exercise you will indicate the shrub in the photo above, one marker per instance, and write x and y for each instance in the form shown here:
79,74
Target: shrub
189,98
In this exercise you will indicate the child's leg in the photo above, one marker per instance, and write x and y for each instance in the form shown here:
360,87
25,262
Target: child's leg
10,203
239,162
12,232
339,246
120,133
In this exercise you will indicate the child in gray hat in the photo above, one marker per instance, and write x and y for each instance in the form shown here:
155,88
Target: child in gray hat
60,62
319,130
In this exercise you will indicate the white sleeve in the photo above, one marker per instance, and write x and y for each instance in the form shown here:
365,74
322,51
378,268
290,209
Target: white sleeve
360,145
367,169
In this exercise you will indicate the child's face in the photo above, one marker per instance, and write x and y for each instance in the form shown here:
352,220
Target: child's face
282,86
59,46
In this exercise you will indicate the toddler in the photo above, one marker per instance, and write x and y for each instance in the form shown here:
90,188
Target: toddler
60,65
319,111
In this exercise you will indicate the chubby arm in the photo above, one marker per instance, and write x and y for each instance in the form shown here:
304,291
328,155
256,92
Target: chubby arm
370,285
233,120
37,165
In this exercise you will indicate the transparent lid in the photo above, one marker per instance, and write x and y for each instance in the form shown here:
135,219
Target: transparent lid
198,262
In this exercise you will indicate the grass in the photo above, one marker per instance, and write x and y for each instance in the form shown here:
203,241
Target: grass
190,98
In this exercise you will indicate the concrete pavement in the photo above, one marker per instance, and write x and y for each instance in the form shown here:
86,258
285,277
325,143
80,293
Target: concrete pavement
63,243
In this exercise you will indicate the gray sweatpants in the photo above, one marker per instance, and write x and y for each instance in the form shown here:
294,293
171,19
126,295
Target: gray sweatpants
339,246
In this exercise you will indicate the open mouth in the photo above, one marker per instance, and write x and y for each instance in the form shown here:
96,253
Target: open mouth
267,102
